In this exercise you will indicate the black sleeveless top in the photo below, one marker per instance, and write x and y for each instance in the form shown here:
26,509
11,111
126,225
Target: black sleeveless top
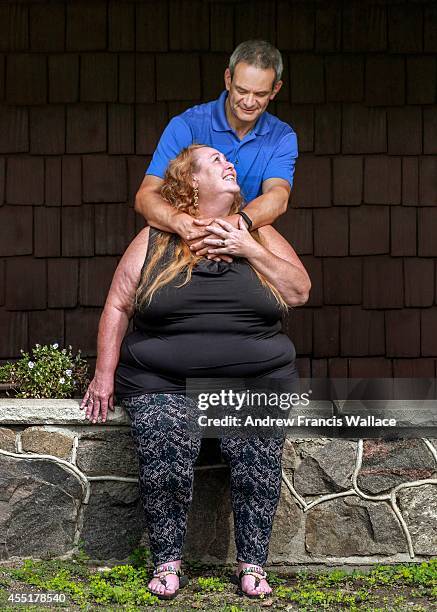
222,323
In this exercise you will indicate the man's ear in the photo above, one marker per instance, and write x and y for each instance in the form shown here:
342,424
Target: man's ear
276,89
228,79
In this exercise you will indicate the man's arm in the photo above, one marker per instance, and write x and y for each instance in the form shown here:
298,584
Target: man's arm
266,208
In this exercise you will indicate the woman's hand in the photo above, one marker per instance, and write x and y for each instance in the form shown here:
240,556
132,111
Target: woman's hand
230,240
98,398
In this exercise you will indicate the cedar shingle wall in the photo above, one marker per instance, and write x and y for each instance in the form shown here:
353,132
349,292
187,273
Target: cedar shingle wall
85,91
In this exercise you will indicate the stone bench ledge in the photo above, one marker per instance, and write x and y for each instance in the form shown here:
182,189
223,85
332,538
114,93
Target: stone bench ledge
15,411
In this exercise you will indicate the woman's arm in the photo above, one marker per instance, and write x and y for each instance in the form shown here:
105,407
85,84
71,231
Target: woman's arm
119,308
274,258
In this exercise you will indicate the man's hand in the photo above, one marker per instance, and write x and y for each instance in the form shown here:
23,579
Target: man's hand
233,241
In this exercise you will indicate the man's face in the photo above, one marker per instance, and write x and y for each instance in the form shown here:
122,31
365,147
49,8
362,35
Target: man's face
250,91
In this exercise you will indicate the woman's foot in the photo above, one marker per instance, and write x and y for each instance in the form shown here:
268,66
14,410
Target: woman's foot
253,581
165,581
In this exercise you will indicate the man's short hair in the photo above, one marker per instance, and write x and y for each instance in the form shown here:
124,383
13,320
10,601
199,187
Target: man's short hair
258,53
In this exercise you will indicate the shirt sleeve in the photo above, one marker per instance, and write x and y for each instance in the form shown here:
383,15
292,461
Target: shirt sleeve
175,137
281,164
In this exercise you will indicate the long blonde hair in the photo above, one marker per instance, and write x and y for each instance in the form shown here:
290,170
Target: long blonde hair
178,190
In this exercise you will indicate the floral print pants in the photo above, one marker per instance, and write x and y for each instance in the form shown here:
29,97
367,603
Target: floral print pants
167,451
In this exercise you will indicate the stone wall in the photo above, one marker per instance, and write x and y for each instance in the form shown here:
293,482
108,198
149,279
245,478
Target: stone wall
64,483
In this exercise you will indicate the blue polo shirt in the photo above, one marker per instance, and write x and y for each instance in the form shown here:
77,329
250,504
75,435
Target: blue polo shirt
268,151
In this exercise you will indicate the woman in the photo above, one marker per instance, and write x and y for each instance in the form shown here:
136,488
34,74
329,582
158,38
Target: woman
196,317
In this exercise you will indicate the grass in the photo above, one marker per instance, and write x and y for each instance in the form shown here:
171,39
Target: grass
399,587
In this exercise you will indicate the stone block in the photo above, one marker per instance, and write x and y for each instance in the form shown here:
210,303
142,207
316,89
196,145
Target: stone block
418,507
328,129
326,469
429,332
295,26
404,126
151,26
421,79
25,181
344,78
46,327
77,231
383,285
348,180
364,27
351,526
121,26
410,181
101,453
297,228
405,25
306,191
387,464
121,129
326,335
26,80
40,441
16,230
151,120
188,25
120,504
402,333
301,118
7,439
63,78
428,181
361,332
328,27
342,280
104,178
255,19
145,78
115,228
71,180
81,327
382,180
13,329
47,27
98,77
364,130
40,521
63,277
286,527
403,229
30,292
14,127
86,25
86,128
53,181
331,232
419,282
177,76
47,130
14,27
47,231
427,244
307,79
221,26
102,268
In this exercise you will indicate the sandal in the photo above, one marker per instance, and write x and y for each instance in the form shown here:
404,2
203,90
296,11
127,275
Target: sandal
258,573
161,572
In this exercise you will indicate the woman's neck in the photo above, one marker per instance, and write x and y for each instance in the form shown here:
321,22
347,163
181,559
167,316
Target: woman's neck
219,207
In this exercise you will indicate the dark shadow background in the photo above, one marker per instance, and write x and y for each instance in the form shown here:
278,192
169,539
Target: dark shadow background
86,89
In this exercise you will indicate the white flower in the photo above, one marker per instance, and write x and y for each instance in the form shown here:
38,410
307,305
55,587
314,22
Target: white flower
55,345
31,364
62,380
68,373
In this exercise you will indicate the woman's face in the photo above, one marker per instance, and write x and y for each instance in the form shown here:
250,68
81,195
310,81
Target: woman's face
214,175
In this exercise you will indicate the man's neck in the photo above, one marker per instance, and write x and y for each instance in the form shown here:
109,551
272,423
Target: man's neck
239,127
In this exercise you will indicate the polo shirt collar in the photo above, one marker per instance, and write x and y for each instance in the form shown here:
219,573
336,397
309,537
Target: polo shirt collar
220,121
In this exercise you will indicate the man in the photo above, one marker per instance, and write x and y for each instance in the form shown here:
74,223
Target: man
262,148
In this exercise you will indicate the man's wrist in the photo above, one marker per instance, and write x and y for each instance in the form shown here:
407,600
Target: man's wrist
181,224
246,219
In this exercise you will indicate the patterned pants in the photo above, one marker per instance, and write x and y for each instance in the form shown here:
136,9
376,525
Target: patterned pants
167,452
